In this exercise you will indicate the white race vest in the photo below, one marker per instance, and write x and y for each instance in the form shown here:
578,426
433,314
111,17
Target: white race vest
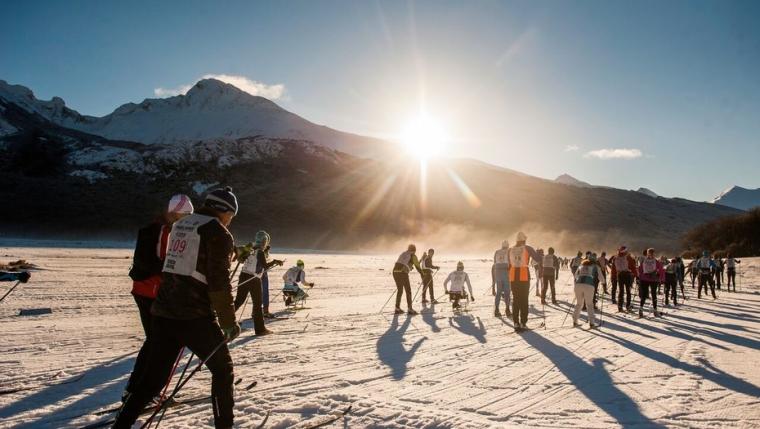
457,281
730,263
548,261
621,263
251,265
649,265
183,247
501,256
292,275
516,256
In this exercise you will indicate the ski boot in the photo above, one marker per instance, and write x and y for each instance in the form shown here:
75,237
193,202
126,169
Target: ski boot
412,312
398,311
496,313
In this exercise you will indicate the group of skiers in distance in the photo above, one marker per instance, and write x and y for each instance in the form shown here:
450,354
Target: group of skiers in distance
511,279
182,273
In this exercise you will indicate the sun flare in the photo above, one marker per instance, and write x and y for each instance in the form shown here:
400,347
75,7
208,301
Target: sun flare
424,137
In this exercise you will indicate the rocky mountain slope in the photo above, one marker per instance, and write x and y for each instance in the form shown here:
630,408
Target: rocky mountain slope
739,198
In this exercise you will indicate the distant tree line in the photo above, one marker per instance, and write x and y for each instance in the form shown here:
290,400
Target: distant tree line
738,235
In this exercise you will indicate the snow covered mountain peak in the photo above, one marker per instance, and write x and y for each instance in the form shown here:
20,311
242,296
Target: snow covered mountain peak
739,198
567,179
647,191
211,109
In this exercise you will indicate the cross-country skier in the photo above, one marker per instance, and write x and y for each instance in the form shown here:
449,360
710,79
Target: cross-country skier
681,275
250,281
585,277
519,279
731,274
194,308
625,271
602,262
456,292
500,273
651,274
538,270
705,266
426,263
550,274
294,278
404,263
576,262
147,265
672,275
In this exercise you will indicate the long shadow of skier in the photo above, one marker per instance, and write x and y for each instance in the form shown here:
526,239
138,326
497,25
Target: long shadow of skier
593,381
104,386
391,351
466,325
707,372
428,316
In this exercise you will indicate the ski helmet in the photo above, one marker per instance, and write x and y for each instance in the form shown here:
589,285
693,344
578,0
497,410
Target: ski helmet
411,248
262,239
222,200
300,263
460,266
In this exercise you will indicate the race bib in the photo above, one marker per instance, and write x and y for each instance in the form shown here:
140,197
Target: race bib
516,257
184,245
501,257
650,266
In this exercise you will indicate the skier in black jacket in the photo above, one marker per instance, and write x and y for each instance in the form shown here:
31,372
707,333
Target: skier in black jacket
194,308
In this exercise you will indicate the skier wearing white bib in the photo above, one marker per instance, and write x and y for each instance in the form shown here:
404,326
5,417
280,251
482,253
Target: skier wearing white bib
194,308
585,277
458,279
500,273
294,278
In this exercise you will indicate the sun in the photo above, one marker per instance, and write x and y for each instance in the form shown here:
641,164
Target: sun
424,136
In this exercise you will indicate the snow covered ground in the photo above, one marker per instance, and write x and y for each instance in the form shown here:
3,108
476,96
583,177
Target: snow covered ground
694,368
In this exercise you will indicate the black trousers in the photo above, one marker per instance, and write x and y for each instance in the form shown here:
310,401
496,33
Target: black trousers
548,282
704,280
520,292
254,288
625,282
671,286
427,284
718,278
614,282
402,284
731,278
201,336
143,305
648,288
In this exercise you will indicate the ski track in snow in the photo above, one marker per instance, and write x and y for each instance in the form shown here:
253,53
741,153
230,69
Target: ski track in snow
693,368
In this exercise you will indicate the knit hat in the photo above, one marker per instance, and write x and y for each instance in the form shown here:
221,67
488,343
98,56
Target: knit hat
222,200
521,236
180,204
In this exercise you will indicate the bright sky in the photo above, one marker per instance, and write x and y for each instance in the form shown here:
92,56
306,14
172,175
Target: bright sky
661,94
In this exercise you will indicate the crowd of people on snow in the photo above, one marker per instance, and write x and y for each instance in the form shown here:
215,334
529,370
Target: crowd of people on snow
511,279
182,279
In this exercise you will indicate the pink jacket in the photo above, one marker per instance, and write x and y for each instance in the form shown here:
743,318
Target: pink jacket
656,271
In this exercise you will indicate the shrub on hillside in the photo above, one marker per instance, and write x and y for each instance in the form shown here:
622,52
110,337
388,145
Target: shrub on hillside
738,235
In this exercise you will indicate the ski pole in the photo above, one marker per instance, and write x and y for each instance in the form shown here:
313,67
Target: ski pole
181,385
10,290
386,302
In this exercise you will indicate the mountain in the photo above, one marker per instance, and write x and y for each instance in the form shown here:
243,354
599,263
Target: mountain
648,192
739,198
63,182
211,109
567,179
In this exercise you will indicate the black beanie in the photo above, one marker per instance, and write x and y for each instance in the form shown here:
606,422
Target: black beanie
222,200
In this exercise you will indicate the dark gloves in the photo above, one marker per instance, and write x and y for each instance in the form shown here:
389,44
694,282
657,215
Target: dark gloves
221,302
24,276
243,252
231,332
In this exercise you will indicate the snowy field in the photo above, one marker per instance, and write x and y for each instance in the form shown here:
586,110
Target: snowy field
697,367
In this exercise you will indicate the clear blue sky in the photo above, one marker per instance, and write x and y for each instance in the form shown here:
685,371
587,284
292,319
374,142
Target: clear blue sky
533,86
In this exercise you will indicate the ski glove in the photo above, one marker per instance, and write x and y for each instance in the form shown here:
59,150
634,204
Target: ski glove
24,276
232,332
243,252
472,299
